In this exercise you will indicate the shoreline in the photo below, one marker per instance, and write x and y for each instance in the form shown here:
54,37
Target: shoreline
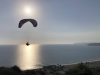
51,69
90,64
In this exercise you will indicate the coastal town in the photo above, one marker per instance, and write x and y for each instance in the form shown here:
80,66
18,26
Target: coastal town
62,69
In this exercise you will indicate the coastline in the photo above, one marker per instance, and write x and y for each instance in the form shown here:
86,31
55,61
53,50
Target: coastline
91,64
58,69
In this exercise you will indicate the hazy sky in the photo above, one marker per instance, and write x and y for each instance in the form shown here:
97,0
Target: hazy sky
59,21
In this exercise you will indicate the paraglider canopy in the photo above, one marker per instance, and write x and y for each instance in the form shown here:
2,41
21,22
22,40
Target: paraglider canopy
21,23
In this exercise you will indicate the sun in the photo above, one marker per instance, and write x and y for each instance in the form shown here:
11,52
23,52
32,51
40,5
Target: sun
27,10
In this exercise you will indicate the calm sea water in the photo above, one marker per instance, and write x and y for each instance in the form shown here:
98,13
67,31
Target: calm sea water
36,56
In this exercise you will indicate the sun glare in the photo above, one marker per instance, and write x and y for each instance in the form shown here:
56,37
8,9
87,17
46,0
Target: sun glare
27,10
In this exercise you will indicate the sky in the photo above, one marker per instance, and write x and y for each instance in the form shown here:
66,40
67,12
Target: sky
59,21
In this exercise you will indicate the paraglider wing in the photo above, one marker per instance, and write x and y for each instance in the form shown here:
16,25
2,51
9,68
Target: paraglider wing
34,22
21,23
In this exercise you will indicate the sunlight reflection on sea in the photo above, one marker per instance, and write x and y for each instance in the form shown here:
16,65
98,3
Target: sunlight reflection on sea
28,57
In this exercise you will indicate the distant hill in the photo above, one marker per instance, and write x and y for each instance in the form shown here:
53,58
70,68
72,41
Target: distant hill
93,44
81,43
89,44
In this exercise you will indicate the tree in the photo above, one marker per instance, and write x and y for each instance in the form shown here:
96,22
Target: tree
80,69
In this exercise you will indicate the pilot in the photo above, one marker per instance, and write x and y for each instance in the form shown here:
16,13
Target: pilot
27,44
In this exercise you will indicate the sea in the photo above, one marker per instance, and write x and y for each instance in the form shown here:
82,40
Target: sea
36,56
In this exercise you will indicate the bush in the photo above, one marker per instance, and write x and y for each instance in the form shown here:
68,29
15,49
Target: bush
15,68
80,69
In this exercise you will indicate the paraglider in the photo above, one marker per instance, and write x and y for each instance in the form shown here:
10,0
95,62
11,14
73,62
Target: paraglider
23,21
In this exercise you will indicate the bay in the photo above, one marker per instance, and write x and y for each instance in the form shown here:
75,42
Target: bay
36,56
